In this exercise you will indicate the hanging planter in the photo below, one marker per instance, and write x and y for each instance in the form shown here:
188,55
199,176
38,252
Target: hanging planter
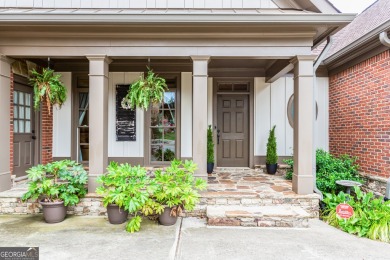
146,90
47,89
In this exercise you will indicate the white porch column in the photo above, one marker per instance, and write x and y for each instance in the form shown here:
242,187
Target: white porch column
199,114
5,88
304,107
98,118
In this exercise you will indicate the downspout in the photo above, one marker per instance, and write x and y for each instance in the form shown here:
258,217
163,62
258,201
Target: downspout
384,39
316,65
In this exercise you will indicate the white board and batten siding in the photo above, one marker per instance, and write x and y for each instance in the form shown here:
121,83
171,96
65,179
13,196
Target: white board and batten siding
136,4
127,148
62,121
271,101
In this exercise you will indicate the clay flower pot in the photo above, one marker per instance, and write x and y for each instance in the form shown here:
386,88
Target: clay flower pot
116,215
166,219
53,212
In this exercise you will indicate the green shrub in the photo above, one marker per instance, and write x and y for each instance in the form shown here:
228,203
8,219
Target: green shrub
131,189
210,145
57,181
371,216
330,169
271,156
289,171
177,187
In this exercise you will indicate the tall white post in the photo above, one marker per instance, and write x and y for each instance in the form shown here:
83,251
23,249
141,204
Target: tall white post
304,113
5,88
199,108
98,118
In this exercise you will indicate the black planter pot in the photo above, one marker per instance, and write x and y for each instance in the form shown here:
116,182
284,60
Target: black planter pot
271,168
210,168
53,212
166,219
116,215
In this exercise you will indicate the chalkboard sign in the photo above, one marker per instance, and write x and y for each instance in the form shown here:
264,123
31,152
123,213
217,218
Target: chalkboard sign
125,118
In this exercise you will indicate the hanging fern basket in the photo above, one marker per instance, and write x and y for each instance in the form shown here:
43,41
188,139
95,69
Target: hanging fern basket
146,90
48,89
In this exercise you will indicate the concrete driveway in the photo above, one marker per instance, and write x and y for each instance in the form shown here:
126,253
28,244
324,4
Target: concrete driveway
80,237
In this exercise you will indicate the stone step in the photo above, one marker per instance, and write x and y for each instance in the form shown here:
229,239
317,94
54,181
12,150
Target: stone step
257,216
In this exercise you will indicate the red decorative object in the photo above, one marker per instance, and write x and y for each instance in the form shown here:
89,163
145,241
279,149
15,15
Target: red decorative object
344,211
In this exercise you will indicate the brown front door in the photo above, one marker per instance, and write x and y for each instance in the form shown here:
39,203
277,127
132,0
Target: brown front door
24,129
232,129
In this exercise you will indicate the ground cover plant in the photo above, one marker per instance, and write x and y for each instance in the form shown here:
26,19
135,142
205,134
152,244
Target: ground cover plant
330,169
371,216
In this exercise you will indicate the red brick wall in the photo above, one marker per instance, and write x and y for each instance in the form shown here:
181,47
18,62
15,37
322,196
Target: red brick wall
46,131
11,123
359,114
46,135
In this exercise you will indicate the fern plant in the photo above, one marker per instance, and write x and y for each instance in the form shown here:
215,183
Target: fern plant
272,156
146,90
47,89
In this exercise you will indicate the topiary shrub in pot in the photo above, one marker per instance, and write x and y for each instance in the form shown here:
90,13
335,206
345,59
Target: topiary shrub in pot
56,185
127,189
272,156
177,189
210,150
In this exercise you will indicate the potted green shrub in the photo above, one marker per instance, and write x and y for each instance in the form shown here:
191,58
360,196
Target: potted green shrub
47,89
56,185
177,189
272,156
210,150
127,189
145,90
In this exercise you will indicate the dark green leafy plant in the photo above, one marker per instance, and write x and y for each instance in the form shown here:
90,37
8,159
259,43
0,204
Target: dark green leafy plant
177,188
57,181
131,189
290,170
371,216
48,89
210,145
271,156
330,169
169,155
146,90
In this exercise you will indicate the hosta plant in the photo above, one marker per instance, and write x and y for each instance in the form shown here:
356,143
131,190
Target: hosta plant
48,89
57,181
177,188
145,90
130,188
371,216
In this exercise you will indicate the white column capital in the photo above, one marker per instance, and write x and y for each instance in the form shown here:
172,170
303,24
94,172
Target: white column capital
200,66
201,58
299,58
99,57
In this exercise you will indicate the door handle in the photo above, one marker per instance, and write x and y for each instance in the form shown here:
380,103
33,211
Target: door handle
33,137
218,135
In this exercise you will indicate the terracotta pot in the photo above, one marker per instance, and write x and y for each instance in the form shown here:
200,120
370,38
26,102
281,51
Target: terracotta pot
166,219
53,212
116,215
271,168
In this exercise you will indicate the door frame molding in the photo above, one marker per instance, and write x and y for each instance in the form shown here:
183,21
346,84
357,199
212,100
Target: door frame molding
18,79
251,129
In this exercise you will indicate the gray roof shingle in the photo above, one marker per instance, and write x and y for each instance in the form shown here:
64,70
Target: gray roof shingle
374,16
